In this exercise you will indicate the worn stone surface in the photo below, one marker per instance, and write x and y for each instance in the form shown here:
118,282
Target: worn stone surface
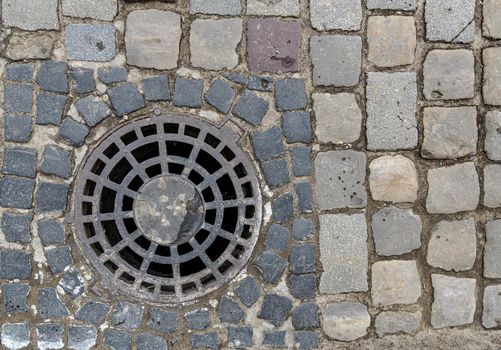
117,340
492,265
58,258
97,9
30,14
306,340
491,12
15,335
73,132
336,14
450,20
492,192
345,321
391,322
127,315
26,45
72,283
491,316
493,135
492,76
163,321
90,42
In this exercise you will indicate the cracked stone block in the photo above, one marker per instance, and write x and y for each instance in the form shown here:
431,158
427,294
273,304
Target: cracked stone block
275,309
97,9
340,179
92,312
52,77
338,117
271,266
306,340
283,207
297,127
127,315
153,31
230,311
156,88
343,253
451,21
90,42
50,336
213,43
493,135
301,161
453,245
17,128
51,197
406,5
392,322
492,76
82,337
50,108
303,229
210,7
336,14
491,25
59,258
16,227
290,94
146,341
395,282
303,286
392,40
18,98
50,232
393,179
273,8
492,250
303,258
274,339
336,59
163,321
15,298
117,340
449,75
73,132
389,237
276,172
125,98
220,96
72,283
205,341
27,45
453,301
391,121
49,304
15,335
268,144
305,316
277,238
93,110
492,192
304,196
16,192
260,83
240,337
248,291
56,161
19,161
453,189
83,80
30,14
251,108
22,72
198,319
491,317
449,132
188,92
112,75
345,321
273,45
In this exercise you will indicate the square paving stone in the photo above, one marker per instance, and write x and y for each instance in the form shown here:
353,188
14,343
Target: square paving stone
453,189
59,258
407,5
492,76
340,179
491,25
19,72
127,315
146,341
51,197
338,117
307,340
345,321
449,75
82,337
56,161
72,283
93,110
188,92
30,15
18,98
301,161
336,14
15,335
305,316
491,315
117,340
52,77
392,40
153,31
277,238
273,8
50,336
83,80
391,322
453,301
213,43
303,286
276,172
156,88
451,21
205,341
248,291
336,59
283,207
198,319
251,108
73,132
220,96
49,304
268,144
343,253
274,339
92,312
449,132
493,135
290,94
19,161
15,264
304,196
163,321
492,190
50,108
303,229
90,42
273,45
16,192
297,127
492,250
275,309
15,298
303,258
112,75
16,227
230,311
98,9
221,7
17,128
271,266
391,120
125,98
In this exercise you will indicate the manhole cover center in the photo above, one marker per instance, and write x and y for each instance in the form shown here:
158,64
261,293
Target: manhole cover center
168,209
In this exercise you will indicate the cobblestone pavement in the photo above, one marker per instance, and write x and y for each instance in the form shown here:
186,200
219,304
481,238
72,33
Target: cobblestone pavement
374,128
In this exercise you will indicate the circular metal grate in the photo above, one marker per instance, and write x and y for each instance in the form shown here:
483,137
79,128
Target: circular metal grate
167,208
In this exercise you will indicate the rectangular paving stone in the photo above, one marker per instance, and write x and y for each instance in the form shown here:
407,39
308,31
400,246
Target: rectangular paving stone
19,72
220,95
15,298
16,227
112,75
268,144
343,253
188,92
492,136
19,161
251,108
220,7
17,127
15,335
406,5
16,192
391,110
290,94
15,264
73,132
90,42
50,108
50,335
491,316
491,24
391,322
336,14
98,9
51,197
56,161
125,98
301,161
273,8
52,76
156,88
450,20
30,14
492,190
50,232
492,250
18,98
492,76
92,109
83,80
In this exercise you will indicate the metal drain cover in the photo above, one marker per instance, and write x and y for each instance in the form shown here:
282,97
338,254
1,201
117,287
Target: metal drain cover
167,208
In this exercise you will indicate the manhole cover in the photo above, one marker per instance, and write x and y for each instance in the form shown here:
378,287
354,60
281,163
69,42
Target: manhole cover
167,208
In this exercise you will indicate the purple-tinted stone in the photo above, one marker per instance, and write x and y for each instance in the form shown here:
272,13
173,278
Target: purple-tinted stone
273,45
